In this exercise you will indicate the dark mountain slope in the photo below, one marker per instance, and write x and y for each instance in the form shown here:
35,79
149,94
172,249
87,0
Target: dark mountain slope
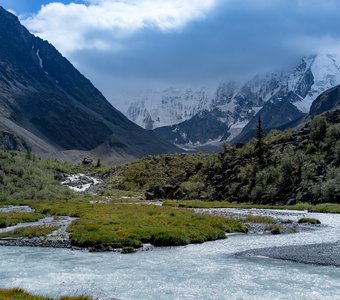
41,92
274,115
204,127
328,100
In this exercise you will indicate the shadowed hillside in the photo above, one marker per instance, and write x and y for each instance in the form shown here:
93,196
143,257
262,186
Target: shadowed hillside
53,107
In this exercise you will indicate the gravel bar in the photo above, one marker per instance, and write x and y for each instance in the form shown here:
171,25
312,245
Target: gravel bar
317,254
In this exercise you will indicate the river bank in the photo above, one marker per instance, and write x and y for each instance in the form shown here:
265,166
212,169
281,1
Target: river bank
201,271
271,222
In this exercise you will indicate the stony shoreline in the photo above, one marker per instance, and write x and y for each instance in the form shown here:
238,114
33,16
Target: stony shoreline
37,242
327,254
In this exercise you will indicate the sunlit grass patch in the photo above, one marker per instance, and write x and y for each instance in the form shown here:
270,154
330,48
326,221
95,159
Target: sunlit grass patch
123,225
29,232
11,219
132,225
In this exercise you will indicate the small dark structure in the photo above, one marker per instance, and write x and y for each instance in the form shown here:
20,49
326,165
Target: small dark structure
87,161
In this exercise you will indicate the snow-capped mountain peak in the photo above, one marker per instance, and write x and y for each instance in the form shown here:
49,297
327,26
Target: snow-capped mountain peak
232,106
323,71
157,108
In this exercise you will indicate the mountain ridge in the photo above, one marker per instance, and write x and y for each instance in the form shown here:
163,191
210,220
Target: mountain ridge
45,99
238,105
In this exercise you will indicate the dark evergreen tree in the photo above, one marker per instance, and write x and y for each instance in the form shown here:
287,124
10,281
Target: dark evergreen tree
29,153
259,147
98,164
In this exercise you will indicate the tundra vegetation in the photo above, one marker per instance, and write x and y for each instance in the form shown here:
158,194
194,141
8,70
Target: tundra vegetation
29,232
296,168
118,225
11,219
282,168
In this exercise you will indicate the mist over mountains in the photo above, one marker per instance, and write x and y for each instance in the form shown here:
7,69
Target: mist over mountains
231,111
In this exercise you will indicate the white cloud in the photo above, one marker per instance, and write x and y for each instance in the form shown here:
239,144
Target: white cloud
319,44
102,23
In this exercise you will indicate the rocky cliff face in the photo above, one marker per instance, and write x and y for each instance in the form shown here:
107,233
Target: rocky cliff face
48,102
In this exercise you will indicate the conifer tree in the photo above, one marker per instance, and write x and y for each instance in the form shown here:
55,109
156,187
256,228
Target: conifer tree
98,164
259,147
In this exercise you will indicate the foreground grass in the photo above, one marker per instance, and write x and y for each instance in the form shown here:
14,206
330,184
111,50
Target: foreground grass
29,232
130,225
11,219
319,208
19,294
117,224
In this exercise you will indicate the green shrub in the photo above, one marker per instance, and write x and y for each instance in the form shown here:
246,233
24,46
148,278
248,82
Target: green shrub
318,128
309,221
24,179
274,229
193,188
128,250
169,238
276,136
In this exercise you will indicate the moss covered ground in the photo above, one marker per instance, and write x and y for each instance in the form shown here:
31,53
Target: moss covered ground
29,232
11,219
130,224
121,225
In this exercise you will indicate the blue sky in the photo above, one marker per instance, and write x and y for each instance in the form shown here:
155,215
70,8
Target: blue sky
136,44
30,6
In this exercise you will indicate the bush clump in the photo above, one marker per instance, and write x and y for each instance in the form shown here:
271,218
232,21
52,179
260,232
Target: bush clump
128,250
309,221
171,238
274,229
24,177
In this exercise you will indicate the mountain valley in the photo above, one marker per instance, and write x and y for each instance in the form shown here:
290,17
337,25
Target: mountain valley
230,113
